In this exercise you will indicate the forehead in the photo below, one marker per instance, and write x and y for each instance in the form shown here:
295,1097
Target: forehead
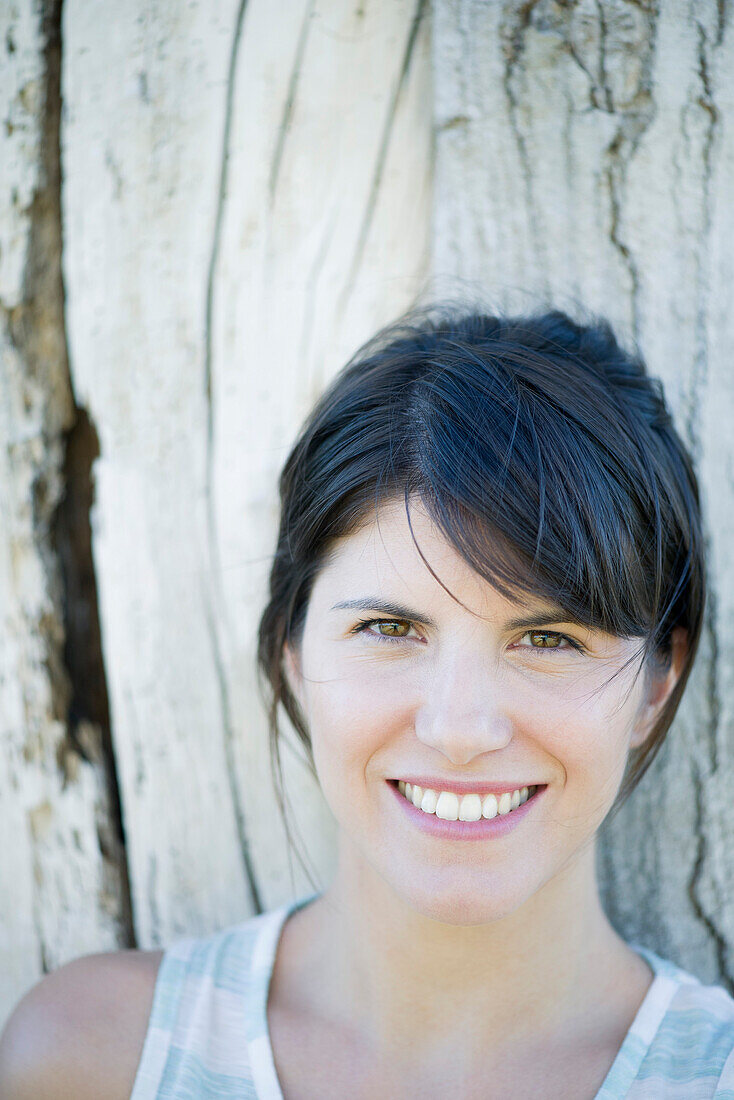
382,555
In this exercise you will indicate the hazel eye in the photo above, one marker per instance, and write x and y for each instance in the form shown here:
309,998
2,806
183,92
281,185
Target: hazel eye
549,639
394,627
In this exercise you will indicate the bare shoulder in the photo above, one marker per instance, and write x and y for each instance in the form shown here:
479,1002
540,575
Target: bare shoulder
80,1030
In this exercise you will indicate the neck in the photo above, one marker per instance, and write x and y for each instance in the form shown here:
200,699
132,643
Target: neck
405,981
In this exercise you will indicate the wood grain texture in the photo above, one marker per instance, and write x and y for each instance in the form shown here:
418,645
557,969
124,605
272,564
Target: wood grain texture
584,157
246,198
249,189
61,891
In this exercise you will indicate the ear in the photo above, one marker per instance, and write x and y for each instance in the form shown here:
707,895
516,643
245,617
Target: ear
660,686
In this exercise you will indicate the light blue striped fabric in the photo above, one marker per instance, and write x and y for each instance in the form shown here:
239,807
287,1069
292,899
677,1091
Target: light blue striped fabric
207,1034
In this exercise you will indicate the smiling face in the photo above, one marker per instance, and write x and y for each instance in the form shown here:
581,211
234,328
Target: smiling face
431,688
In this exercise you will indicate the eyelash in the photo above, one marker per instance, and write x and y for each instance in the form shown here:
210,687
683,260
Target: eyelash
365,623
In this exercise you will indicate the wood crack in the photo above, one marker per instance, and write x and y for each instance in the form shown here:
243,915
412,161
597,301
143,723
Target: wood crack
379,166
62,494
635,120
285,122
608,97
706,102
514,49
694,885
212,597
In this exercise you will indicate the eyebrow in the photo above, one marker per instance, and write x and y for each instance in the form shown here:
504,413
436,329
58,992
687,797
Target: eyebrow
399,611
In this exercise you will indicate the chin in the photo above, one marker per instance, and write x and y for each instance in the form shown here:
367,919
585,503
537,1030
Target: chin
462,899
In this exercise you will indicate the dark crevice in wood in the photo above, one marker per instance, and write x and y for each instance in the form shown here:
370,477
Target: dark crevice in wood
703,913
704,101
721,14
88,719
608,97
85,709
576,57
635,118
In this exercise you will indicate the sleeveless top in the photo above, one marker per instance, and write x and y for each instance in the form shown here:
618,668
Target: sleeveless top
207,1034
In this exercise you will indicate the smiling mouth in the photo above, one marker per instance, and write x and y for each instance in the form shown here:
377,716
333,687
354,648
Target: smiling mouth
469,807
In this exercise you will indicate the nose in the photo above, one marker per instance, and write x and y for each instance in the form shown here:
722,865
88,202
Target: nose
463,710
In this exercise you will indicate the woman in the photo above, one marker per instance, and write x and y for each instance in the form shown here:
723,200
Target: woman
485,603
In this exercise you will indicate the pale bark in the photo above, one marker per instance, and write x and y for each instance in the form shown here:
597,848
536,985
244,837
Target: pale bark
62,882
585,156
245,200
248,193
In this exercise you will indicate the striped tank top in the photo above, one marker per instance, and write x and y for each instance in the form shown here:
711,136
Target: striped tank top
207,1034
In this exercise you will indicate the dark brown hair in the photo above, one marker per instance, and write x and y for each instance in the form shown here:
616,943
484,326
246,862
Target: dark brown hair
544,453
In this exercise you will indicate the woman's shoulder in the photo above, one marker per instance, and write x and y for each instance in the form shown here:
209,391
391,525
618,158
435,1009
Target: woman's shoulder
689,1026
80,1030
84,1030
687,992
128,1023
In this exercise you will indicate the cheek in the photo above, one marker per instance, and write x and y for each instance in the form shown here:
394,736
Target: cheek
590,739
353,715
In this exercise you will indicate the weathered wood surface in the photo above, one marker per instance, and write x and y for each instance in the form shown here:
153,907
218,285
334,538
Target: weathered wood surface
245,199
585,153
61,892
248,192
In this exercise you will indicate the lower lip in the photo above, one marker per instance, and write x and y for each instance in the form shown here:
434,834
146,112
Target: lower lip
484,829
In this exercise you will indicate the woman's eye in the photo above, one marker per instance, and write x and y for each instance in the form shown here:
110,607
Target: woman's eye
548,639
395,629
389,630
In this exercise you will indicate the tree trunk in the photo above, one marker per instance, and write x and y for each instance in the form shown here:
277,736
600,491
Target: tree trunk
245,192
583,157
62,873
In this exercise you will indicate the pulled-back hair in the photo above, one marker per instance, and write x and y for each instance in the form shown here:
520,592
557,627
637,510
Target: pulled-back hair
543,452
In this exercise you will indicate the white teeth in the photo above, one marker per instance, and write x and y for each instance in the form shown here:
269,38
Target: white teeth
428,802
489,806
469,807
447,806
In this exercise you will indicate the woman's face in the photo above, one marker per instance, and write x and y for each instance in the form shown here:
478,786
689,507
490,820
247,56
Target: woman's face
433,689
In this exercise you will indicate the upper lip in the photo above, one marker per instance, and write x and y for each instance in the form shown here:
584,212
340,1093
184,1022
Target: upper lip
464,786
